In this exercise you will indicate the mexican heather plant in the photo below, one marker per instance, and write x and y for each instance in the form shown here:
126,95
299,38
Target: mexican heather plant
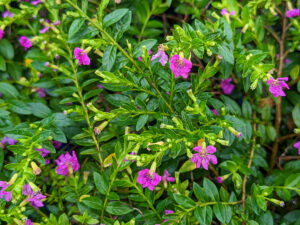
149,112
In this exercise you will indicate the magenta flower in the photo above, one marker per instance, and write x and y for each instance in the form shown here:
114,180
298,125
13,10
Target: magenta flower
3,193
100,86
276,86
227,86
44,152
56,144
146,179
297,145
215,112
28,222
293,13
161,54
167,211
219,180
1,33
36,2
277,56
204,156
25,42
167,178
8,141
81,56
140,58
224,11
64,160
180,66
41,92
7,14
56,23
286,61
34,198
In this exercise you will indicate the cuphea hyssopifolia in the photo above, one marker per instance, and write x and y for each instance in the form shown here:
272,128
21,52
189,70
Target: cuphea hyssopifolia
165,98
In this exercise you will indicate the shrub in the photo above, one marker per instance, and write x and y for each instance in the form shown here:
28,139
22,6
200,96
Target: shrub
149,112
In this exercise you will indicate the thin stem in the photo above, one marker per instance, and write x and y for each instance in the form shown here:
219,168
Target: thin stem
144,26
278,103
251,158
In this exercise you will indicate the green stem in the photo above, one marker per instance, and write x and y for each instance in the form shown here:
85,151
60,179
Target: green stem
144,26
172,90
85,111
113,42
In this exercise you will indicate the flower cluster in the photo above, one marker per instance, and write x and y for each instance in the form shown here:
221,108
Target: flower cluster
25,42
293,13
66,161
151,179
35,198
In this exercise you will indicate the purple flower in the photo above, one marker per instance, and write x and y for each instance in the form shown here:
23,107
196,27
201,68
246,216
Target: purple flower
167,211
35,2
227,86
224,11
7,14
277,56
34,198
1,33
286,61
56,23
9,141
28,222
57,56
56,144
140,58
44,152
146,179
100,86
41,92
180,66
297,145
162,55
44,30
215,112
232,13
166,177
25,42
204,156
219,180
293,13
64,160
81,56
276,86
3,193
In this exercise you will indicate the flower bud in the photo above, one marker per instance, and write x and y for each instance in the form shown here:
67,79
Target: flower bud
82,197
223,142
36,170
100,127
191,95
13,179
91,107
85,176
235,132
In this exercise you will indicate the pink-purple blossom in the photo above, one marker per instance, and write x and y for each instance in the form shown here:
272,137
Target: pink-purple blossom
161,54
36,2
219,180
215,112
204,156
41,92
56,144
180,66
44,152
1,33
227,86
5,194
224,11
293,13
286,61
167,211
167,178
140,58
7,14
148,179
81,56
35,198
297,145
232,13
25,42
64,160
8,141
276,86
28,222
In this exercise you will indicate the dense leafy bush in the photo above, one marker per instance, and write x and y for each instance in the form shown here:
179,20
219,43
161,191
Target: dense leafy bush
149,112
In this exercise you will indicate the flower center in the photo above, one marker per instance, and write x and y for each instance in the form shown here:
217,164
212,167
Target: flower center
180,63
